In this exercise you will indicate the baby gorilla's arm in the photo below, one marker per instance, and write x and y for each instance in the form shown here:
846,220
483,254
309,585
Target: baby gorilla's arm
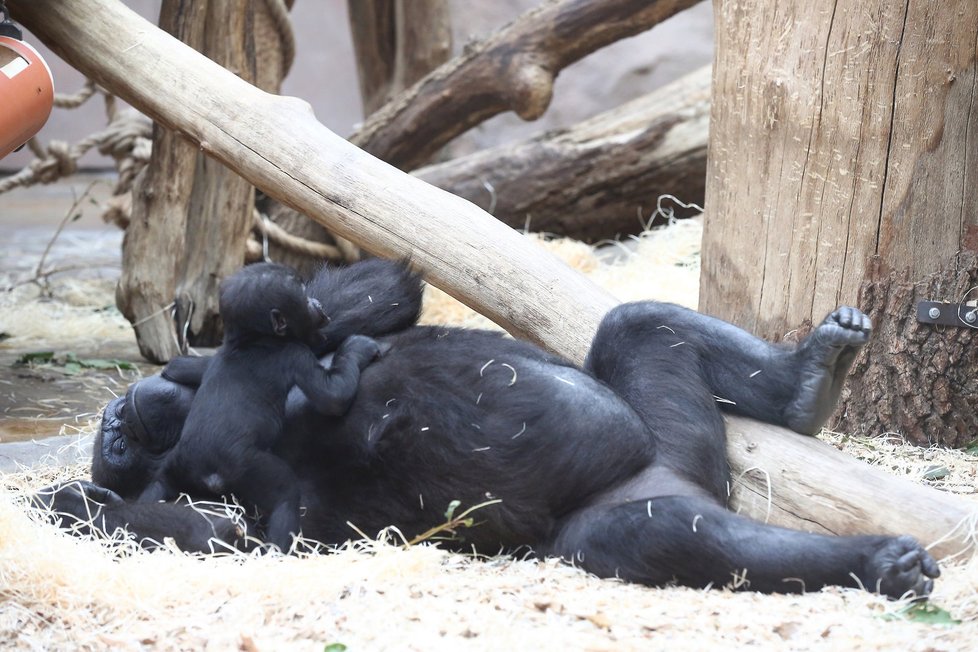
332,390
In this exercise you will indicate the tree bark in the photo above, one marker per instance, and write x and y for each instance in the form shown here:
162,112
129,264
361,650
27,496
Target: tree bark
593,180
846,144
219,216
276,143
397,42
917,379
154,242
198,197
513,70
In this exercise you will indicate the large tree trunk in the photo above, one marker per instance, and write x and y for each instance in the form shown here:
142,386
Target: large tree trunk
193,215
844,152
276,143
155,239
598,179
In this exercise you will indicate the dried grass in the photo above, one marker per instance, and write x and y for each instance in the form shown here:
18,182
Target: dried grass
60,592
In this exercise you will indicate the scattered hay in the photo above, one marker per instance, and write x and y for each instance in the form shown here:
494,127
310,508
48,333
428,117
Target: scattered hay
64,593
660,264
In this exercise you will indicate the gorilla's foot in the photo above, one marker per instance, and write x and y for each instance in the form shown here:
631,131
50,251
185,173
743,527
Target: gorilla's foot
898,567
824,359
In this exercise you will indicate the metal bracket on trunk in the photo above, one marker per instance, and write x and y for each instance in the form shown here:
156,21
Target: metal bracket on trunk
948,314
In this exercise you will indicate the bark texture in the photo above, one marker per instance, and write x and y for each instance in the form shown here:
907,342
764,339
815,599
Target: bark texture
843,141
917,379
397,42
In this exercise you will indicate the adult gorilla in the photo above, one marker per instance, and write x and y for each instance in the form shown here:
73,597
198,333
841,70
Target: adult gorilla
620,467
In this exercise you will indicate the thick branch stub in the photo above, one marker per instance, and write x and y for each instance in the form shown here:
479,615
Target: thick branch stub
528,88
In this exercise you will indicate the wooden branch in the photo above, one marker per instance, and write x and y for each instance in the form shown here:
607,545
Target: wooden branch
277,144
397,42
373,31
590,181
512,70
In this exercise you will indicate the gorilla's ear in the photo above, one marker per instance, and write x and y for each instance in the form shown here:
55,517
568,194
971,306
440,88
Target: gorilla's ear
279,323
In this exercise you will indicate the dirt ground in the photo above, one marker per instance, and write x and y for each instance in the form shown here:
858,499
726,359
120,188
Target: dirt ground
58,592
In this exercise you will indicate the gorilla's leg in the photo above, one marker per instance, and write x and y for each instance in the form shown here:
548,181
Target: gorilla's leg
268,483
797,387
695,542
656,368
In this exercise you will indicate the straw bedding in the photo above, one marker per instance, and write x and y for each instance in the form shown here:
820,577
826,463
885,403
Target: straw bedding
59,592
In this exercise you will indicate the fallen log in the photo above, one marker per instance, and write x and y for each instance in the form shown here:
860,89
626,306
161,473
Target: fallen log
276,143
593,180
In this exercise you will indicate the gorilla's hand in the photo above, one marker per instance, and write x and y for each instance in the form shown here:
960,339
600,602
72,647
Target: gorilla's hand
79,499
365,349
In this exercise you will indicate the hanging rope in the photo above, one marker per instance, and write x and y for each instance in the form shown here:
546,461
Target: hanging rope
126,139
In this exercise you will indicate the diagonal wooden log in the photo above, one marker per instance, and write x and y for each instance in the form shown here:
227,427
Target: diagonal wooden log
276,143
592,180
512,70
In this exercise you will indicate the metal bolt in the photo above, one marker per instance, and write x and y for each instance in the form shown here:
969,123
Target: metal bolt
971,316
933,313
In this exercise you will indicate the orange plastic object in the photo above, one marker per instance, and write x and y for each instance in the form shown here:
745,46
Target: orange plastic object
26,93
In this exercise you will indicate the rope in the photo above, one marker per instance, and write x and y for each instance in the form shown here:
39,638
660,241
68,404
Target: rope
58,159
77,99
294,243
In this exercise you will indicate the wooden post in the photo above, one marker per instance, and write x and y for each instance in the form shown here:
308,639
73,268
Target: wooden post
843,156
276,143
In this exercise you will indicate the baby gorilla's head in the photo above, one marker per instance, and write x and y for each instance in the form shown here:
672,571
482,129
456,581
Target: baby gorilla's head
269,299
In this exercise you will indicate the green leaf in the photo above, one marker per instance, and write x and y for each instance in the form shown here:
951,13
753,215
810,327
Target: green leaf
72,368
936,473
36,356
98,363
452,506
927,613
335,647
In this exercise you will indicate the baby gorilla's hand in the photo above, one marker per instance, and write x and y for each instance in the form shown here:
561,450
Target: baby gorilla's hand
366,349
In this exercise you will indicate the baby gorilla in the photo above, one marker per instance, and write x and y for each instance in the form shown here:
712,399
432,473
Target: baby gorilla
239,410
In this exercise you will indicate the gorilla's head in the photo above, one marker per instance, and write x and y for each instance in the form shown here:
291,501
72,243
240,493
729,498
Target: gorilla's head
137,431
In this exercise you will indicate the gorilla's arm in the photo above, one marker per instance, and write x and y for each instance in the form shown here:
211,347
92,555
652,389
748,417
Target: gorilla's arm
187,370
83,508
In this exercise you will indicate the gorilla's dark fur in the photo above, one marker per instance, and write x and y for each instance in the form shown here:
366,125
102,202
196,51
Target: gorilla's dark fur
238,413
619,467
